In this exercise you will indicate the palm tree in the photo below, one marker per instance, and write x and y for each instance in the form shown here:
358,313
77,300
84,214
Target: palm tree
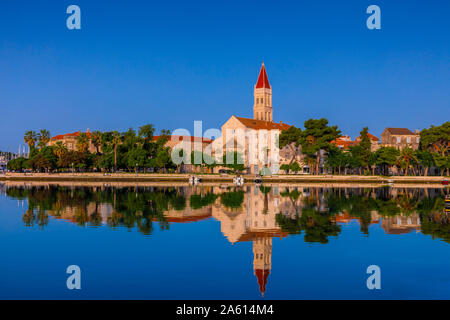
60,149
30,139
44,138
82,142
96,138
116,140
406,158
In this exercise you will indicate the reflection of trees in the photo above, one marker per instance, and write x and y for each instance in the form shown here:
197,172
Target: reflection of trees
322,205
130,208
293,196
434,220
28,218
312,212
199,201
316,224
232,199
265,191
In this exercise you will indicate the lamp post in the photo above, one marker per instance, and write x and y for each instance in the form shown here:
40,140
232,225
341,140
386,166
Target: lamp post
136,168
72,168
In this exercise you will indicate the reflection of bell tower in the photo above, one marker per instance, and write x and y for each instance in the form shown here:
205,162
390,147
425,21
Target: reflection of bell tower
262,260
262,108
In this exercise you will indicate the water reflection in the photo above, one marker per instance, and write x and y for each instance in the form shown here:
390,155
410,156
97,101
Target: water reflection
251,213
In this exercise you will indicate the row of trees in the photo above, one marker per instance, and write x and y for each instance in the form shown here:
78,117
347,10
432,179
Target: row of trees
316,142
113,151
131,150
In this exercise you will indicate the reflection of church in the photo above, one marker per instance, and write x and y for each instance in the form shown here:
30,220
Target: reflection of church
254,221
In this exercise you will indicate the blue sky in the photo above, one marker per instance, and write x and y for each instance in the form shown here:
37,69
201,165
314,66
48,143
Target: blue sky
170,63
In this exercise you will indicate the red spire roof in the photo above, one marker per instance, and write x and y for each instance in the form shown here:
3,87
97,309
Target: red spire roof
263,80
262,276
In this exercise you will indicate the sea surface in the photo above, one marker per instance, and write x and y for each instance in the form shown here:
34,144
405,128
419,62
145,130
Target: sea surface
223,242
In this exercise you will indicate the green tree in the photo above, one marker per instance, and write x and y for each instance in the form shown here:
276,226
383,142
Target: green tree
317,136
442,162
116,140
82,142
386,157
136,157
337,158
286,167
17,164
425,159
96,138
436,139
30,139
406,159
146,132
43,138
295,167
290,137
365,148
59,149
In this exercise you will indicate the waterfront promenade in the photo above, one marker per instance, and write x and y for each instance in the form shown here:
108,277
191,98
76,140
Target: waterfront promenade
217,178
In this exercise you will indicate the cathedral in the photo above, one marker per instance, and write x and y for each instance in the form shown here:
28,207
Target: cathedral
255,138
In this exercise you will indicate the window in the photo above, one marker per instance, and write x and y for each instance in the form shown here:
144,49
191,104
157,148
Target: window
408,139
398,139
418,139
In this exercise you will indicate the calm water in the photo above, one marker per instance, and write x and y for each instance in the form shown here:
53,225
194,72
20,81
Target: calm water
219,242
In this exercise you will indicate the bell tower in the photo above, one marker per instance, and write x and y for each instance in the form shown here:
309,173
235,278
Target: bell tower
262,108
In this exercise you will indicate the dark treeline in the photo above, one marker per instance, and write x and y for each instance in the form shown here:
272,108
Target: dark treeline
316,142
114,151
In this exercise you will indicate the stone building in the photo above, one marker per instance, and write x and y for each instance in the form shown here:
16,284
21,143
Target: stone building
70,141
256,139
400,138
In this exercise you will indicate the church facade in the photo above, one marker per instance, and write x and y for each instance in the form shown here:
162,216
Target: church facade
256,139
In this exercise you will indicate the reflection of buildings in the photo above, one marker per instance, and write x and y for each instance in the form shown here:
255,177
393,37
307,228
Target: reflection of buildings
255,221
188,214
345,217
401,224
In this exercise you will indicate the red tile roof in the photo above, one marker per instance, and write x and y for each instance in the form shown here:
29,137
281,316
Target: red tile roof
73,134
263,80
260,124
371,137
399,131
345,144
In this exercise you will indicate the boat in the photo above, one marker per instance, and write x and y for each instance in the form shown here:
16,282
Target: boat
445,182
239,181
193,180
258,179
